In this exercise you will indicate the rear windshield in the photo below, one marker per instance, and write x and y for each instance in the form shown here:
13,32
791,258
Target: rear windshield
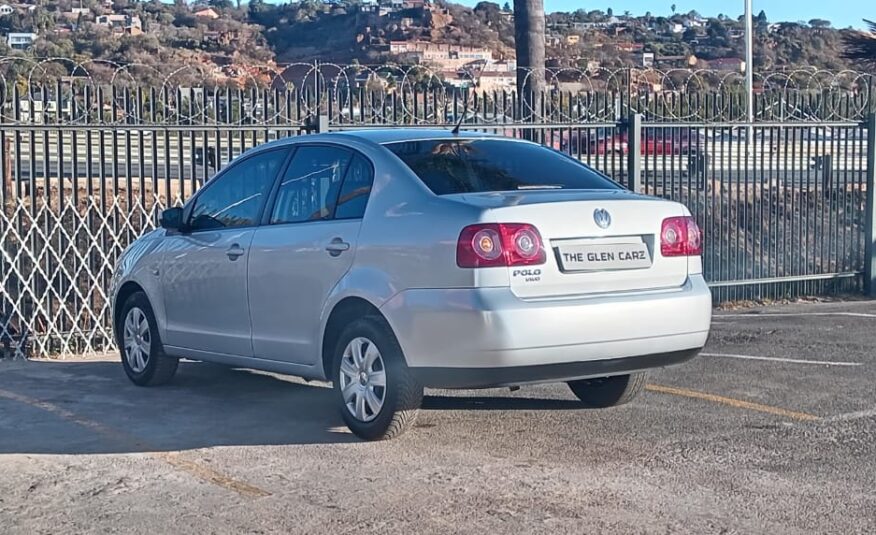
450,166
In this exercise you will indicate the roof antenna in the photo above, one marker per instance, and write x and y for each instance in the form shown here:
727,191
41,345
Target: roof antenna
468,96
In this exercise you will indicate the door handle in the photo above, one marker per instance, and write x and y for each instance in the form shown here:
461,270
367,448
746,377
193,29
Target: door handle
234,252
337,246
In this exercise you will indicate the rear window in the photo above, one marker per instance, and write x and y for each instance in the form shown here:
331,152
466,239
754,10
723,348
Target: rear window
449,166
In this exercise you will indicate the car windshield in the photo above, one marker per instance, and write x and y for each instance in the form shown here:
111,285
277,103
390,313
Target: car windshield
449,166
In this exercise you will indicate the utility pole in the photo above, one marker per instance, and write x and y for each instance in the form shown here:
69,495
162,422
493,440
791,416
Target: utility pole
529,45
749,74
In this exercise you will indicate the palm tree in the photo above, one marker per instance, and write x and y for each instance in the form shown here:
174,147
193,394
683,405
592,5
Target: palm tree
861,46
529,44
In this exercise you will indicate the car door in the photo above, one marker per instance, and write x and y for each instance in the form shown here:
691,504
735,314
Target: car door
205,266
304,248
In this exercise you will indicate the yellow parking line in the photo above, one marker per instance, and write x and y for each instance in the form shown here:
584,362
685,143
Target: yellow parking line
737,403
172,458
209,475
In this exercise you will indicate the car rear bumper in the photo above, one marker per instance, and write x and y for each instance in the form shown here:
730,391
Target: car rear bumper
466,337
547,373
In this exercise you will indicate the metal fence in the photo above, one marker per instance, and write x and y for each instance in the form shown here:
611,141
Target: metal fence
86,168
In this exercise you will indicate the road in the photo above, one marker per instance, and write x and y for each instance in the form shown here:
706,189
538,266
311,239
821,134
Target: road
175,153
671,167
773,430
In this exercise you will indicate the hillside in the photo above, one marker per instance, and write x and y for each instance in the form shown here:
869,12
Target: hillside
208,35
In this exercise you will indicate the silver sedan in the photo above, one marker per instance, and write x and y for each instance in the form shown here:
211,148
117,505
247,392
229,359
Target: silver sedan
387,261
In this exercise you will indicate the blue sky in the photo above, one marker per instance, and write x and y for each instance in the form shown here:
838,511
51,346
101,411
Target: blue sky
841,13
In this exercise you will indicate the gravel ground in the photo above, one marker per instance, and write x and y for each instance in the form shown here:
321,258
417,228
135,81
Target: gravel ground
723,444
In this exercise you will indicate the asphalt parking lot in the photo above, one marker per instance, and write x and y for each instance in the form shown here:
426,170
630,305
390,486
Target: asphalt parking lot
772,430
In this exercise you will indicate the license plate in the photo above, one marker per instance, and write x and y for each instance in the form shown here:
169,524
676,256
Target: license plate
604,257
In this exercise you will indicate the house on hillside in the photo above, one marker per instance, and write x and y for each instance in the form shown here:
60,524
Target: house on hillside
207,13
76,13
445,56
573,39
695,22
489,81
20,41
121,24
602,25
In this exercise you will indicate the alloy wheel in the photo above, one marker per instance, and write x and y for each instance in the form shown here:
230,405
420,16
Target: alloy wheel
137,340
363,379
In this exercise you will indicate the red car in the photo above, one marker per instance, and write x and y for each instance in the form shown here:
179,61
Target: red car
601,142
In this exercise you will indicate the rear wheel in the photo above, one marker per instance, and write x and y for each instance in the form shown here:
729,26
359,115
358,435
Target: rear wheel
378,395
142,352
606,392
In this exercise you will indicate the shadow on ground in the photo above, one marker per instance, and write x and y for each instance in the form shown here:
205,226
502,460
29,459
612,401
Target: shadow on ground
91,407
86,407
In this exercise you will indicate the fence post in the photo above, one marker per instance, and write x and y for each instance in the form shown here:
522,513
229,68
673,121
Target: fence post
870,211
7,171
316,124
322,124
826,174
634,152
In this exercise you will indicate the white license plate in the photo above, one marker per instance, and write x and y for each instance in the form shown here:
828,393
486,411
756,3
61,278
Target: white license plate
604,257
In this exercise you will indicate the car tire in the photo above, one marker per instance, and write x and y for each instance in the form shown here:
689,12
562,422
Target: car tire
138,333
604,392
400,395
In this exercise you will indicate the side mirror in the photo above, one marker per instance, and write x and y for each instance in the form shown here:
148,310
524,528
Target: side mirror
172,219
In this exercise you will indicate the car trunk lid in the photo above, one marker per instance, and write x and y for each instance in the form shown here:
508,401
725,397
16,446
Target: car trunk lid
596,241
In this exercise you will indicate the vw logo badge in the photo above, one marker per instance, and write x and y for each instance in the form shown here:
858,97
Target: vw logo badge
602,217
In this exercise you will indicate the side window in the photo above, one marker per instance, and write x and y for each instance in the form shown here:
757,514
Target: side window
311,184
234,197
355,190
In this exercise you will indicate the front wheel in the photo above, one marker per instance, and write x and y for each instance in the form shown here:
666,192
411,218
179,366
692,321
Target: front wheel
378,394
141,350
604,392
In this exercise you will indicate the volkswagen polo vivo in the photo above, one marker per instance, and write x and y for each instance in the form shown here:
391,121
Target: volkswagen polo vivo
387,261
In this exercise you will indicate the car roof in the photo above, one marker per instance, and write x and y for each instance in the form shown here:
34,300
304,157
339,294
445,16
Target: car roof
395,135
379,136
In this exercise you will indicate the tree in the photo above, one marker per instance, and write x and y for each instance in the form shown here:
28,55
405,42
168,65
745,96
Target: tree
861,46
529,44
672,7
761,24
819,24
506,7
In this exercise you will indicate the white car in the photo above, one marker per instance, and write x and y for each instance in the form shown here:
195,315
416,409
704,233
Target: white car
387,261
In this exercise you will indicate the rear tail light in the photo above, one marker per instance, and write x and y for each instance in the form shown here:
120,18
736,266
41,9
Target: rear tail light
680,236
499,244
